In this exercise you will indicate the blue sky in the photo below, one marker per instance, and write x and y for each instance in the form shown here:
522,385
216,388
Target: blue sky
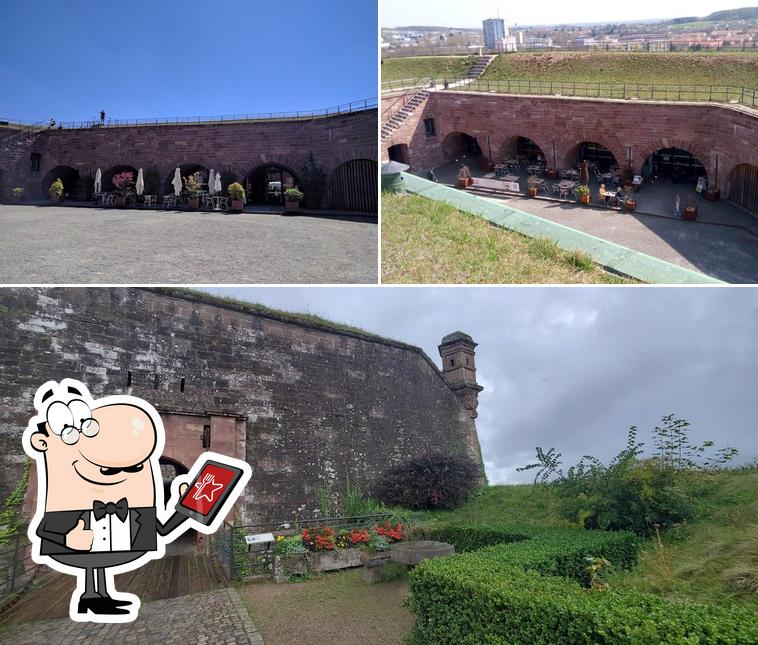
472,12
168,58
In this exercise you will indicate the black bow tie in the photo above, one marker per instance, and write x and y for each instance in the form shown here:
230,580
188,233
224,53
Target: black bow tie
120,508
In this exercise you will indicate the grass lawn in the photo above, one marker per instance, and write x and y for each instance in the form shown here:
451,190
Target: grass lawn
675,68
420,66
332,608
740,70
430,242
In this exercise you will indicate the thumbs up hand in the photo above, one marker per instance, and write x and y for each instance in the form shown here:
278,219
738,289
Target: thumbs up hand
79,538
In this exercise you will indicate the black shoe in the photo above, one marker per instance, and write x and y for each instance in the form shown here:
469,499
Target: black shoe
100,606
117,603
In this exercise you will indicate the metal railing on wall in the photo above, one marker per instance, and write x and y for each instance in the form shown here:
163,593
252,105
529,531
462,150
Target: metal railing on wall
629,91
639,91
17,569
346,108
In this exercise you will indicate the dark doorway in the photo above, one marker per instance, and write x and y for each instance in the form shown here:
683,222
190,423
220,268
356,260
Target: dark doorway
742,187
353,186
266,185
675,165
399,152
69,176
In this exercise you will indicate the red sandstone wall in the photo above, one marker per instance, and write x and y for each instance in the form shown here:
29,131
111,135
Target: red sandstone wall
236,147
631,130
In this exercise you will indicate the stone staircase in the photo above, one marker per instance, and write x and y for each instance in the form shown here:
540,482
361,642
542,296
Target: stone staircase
481,64
399,117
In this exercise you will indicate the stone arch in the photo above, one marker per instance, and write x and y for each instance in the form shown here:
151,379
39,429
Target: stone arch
353,186
186,168
742,186
399,152
261,183
695,149
592,149
515,144
460,144
675,163
107,180
68,175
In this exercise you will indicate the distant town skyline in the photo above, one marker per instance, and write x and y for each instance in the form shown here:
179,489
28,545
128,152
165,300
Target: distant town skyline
398,13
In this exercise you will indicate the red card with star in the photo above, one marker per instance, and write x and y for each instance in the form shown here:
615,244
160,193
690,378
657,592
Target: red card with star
208,491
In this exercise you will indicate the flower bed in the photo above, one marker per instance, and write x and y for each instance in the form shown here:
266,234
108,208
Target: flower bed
324,549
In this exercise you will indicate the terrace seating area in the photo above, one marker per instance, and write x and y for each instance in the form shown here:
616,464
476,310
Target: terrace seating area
205,201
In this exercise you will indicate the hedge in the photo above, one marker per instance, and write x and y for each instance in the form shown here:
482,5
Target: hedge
531,589
472,600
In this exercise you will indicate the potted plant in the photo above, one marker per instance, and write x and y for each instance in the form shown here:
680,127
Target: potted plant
292,199
18,194
192,186
712,194
533,187
582,192
630,203
690,211
122,183
464,177
237,195
55,191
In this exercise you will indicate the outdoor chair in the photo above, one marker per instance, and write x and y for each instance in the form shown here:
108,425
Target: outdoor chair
169,201
545,188
563,194
148,200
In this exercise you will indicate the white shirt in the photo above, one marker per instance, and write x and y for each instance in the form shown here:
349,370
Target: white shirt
111,534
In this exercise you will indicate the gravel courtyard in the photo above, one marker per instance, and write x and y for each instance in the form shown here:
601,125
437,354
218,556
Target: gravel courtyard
68,245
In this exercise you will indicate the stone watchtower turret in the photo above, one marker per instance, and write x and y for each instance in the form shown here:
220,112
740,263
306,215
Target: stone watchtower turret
459,369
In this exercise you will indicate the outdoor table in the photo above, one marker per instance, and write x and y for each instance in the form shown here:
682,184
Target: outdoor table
536,182
605,195
572,173
566,185
511,178
219,202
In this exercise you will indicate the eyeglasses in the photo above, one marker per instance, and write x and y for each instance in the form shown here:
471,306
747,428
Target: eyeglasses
70,420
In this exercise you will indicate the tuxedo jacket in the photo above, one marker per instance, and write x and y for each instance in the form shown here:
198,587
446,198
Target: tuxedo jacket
143,522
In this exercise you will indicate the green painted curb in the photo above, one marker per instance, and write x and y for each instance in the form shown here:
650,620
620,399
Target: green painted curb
607,254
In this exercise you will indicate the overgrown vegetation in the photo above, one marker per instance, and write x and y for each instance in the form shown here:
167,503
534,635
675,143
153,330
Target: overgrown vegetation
431,481
10,522
450,67
430,242
630,493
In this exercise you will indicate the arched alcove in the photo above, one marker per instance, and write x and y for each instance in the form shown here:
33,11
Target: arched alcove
265,184
353,186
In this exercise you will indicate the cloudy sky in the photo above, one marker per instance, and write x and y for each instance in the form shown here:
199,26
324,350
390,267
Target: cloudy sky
574,367
471,13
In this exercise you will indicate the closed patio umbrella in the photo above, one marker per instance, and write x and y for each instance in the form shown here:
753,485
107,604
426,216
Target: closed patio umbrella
176,182
99,181
140,185
211,183
585,172
217,183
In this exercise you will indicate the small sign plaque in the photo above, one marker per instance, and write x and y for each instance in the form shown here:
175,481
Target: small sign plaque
259,538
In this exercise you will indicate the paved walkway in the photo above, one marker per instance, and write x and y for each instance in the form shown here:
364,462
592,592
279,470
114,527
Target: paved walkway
63,245
720,244
168,577
212,617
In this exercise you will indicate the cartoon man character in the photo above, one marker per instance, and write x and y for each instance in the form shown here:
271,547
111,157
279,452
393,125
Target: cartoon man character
100,495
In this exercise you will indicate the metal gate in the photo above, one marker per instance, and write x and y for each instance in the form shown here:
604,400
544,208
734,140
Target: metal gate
742,187
353,186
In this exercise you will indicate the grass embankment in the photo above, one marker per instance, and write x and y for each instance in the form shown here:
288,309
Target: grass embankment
419,66
430,242
673,68
739,70
713,559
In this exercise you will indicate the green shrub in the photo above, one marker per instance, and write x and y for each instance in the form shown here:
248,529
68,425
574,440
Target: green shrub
292,545
236,191
468,599
56,188
293,195
431,481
